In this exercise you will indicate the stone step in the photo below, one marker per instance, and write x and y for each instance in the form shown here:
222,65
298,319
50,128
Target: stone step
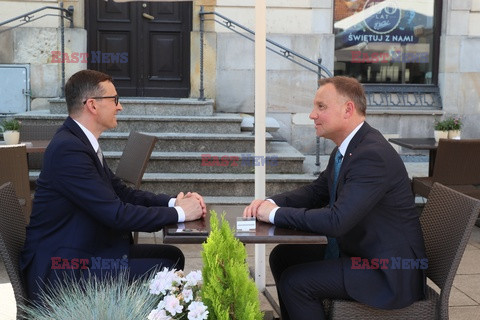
229,200
217,123
151,106
221,185
216,188
282,158
187,142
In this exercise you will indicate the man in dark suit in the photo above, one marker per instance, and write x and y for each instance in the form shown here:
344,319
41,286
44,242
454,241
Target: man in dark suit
83,215
369,212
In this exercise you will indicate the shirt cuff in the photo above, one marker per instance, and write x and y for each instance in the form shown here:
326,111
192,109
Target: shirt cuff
271,216
271,201
171,202
181,214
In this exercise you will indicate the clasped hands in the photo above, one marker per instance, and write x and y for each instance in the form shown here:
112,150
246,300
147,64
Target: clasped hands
260,209
192,204
194,207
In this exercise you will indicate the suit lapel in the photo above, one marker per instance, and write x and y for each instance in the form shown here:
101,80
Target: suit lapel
356,140
78,132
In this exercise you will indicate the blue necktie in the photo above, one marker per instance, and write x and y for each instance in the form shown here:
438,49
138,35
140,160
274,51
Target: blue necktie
332,251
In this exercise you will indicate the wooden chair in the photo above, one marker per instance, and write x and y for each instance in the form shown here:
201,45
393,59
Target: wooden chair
34,132
134,160
14,169
447,221
12,238
457,165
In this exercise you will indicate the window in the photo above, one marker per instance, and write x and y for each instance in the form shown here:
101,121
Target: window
387,41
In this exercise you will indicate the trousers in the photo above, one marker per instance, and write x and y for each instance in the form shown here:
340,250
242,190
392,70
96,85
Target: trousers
304,279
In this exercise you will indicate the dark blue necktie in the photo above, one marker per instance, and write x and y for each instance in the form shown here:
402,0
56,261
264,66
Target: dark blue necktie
332,251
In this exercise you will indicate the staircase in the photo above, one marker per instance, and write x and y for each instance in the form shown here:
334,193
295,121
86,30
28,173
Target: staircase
198,150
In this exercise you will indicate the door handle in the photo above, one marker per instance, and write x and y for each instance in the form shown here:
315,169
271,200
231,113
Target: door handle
148,16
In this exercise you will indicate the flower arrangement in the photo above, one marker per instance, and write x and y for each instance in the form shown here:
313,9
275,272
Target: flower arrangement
179,296
440,125
453,123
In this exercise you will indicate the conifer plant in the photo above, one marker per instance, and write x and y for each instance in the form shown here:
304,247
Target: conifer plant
228,291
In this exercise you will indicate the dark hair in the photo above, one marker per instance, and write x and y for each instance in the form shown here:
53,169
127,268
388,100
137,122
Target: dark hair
81,86
350,88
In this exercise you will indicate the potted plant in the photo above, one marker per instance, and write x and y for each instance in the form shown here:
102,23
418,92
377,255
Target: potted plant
454,124
10,128
228,291
440,130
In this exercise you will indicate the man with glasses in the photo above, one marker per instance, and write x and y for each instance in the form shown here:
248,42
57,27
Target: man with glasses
83,215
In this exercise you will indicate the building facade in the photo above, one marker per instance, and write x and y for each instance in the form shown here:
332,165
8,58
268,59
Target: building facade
393,46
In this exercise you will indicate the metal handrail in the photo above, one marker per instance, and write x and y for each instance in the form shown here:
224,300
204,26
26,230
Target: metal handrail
282,51
30,17
277,48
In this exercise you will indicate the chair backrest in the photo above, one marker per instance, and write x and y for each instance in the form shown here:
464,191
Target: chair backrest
12,238
457,162
447,221
33,132
14,168
30,132
135,156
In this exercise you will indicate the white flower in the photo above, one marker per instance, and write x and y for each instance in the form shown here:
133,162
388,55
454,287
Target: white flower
194,278
164,281
178,296
172,305
158,314
197,311
187,295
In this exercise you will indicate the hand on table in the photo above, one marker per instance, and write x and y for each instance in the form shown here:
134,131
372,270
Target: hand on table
199,198
260,209
192,204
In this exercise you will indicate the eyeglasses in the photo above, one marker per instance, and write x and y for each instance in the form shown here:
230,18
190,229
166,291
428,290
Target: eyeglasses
107,97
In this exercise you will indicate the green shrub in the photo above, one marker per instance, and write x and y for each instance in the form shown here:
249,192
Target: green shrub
228,291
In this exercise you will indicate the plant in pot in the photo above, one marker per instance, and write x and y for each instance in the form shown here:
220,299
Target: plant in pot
11,133
440,130
454,124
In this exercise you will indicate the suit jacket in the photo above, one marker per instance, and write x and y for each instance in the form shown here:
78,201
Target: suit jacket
373,217
81,210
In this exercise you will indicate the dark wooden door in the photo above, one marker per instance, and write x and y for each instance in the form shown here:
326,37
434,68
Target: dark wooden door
145,46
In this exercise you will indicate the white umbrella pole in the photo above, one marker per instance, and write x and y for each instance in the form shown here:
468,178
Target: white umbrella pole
260,115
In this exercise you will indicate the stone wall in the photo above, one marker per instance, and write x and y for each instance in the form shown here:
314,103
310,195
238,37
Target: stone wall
34,43
35,46
459,72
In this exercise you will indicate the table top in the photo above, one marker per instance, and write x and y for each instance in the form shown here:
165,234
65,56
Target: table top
264,232
36,146
416,143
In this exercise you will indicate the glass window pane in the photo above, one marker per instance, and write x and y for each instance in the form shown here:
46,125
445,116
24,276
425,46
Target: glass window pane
384,41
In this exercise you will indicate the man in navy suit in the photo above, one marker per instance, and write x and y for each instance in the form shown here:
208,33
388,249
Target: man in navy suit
83,215
369,216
